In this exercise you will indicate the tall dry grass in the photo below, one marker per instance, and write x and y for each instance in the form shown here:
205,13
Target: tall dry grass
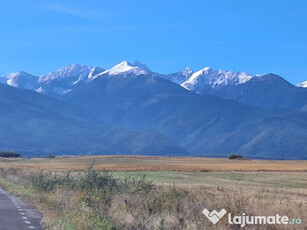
95,200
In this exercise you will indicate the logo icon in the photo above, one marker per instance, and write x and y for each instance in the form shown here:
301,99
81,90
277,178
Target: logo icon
214,216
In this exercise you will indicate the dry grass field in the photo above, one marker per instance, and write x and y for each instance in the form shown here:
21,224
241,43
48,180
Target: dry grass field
148,163
181,188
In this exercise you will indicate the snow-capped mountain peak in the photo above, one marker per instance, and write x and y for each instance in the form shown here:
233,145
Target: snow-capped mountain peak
136,68
62,80
302,84
208,77
203,71
124,66
187,72
21,80
206,69
71,71
17,75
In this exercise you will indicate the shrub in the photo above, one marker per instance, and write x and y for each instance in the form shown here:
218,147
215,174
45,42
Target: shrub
9,154
45,182
93,181
234,156
97,221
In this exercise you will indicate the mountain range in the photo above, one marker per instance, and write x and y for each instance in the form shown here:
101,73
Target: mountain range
130,109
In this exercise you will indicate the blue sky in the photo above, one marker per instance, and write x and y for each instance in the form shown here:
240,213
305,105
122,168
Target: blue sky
257,37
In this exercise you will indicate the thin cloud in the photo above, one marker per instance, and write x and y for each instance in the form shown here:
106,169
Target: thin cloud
77,12
80,29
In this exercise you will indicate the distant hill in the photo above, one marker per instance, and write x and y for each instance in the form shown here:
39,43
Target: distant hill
33,124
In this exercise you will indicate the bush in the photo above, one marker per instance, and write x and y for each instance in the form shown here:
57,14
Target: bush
45,182
234,156
9,154
94,181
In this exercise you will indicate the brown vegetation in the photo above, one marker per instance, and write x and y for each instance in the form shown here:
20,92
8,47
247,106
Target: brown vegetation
100,201
87,199
146,163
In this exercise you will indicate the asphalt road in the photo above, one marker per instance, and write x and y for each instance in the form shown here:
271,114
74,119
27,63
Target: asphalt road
15,214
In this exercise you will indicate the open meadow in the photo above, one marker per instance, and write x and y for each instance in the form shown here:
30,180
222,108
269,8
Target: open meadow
137,192
153,163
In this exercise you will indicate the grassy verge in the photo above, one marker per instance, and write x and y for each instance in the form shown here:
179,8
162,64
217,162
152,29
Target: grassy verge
17,190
